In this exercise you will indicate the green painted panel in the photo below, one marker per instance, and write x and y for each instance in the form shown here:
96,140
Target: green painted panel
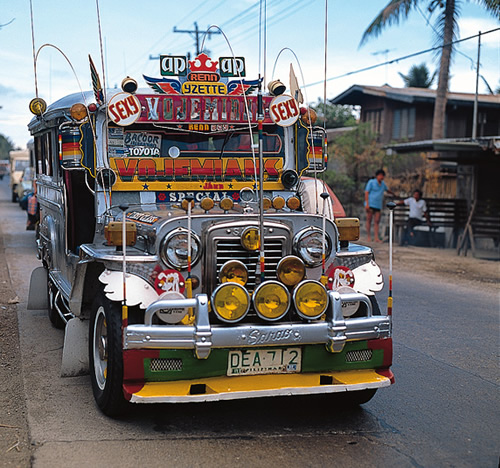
315,358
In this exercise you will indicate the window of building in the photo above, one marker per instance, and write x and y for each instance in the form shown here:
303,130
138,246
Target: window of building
403,125
374,117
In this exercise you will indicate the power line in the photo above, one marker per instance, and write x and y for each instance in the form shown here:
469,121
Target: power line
404,57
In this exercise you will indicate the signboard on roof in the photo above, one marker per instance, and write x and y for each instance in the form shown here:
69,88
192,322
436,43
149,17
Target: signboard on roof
202,76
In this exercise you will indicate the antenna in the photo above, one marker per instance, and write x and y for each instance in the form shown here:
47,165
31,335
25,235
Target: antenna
385,53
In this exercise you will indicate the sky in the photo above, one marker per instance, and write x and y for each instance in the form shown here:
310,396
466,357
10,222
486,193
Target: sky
135,32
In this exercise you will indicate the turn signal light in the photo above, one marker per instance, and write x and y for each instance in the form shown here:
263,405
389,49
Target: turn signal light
230,302
113,233
310,299
348,229
78,111
291,270
271,300
234,271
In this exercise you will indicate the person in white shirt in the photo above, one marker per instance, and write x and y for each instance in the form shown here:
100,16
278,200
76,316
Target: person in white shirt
418,214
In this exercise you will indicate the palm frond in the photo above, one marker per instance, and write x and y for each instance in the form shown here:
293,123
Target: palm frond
392,13
492,6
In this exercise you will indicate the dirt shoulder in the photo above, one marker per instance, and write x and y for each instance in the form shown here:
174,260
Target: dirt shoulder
15,447
444,265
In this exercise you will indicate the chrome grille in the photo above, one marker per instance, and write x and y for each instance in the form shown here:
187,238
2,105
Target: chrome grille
231,249
359,355
165,364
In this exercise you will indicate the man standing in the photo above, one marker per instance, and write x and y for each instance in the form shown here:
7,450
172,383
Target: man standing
418,214
374,199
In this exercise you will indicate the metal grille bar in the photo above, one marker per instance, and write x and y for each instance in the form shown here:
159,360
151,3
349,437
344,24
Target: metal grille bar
165,364
359,355
231,249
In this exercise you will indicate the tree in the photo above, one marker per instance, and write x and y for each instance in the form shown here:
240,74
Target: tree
418,76
446,27
6,145
336,115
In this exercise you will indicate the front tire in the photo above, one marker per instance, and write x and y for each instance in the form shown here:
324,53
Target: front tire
106,356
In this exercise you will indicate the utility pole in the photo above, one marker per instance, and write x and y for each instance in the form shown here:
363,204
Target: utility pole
196,33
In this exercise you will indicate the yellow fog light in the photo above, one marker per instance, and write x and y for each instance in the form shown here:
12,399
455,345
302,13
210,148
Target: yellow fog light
267,203
78,111
293,203
278,203
271,300
310,299
207,204
230,301
291,270
226,203
185,204
250,238
234,271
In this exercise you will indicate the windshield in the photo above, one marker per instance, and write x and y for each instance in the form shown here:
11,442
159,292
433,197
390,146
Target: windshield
157,143
21,164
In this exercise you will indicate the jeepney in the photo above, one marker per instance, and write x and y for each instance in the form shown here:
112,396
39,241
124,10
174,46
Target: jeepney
187,254
19,161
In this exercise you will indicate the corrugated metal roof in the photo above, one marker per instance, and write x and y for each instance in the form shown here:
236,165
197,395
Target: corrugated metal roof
356,93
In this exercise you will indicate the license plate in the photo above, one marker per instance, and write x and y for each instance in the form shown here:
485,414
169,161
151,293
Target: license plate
264,361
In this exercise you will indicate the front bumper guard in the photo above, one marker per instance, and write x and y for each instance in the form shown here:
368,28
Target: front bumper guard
202,337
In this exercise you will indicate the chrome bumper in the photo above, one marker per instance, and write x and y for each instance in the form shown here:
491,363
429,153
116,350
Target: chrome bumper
202,337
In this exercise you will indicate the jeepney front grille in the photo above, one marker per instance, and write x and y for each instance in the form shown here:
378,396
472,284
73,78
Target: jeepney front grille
165,364
359,355
231,249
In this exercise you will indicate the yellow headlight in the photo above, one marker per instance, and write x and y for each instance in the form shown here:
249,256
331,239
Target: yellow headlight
233,271
291,270
278,203
207,204
267,203
293,203
310,299
271,300
230,302
250,238
226,204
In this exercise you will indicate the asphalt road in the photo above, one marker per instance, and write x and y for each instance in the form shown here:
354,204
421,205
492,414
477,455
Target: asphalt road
442,411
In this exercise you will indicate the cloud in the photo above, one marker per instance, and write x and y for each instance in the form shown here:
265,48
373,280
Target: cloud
9,91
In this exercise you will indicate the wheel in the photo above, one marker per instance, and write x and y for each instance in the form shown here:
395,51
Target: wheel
106,356
53,314
358,397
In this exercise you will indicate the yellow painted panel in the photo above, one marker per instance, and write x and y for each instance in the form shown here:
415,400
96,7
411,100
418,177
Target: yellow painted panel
216,385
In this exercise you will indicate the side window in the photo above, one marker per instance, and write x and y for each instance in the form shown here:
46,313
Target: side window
43,154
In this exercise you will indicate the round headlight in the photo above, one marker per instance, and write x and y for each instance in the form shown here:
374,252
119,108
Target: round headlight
174,249
308,245
250,238
291,270
311,299
271,300
230,302
234,271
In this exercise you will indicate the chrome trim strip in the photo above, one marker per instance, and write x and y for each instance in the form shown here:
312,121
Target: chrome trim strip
334,332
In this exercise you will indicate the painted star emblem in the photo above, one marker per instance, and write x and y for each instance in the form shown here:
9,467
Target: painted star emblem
169,186
145,187
230,186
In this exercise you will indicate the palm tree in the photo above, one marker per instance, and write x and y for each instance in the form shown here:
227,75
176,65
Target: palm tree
419,76
446,27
